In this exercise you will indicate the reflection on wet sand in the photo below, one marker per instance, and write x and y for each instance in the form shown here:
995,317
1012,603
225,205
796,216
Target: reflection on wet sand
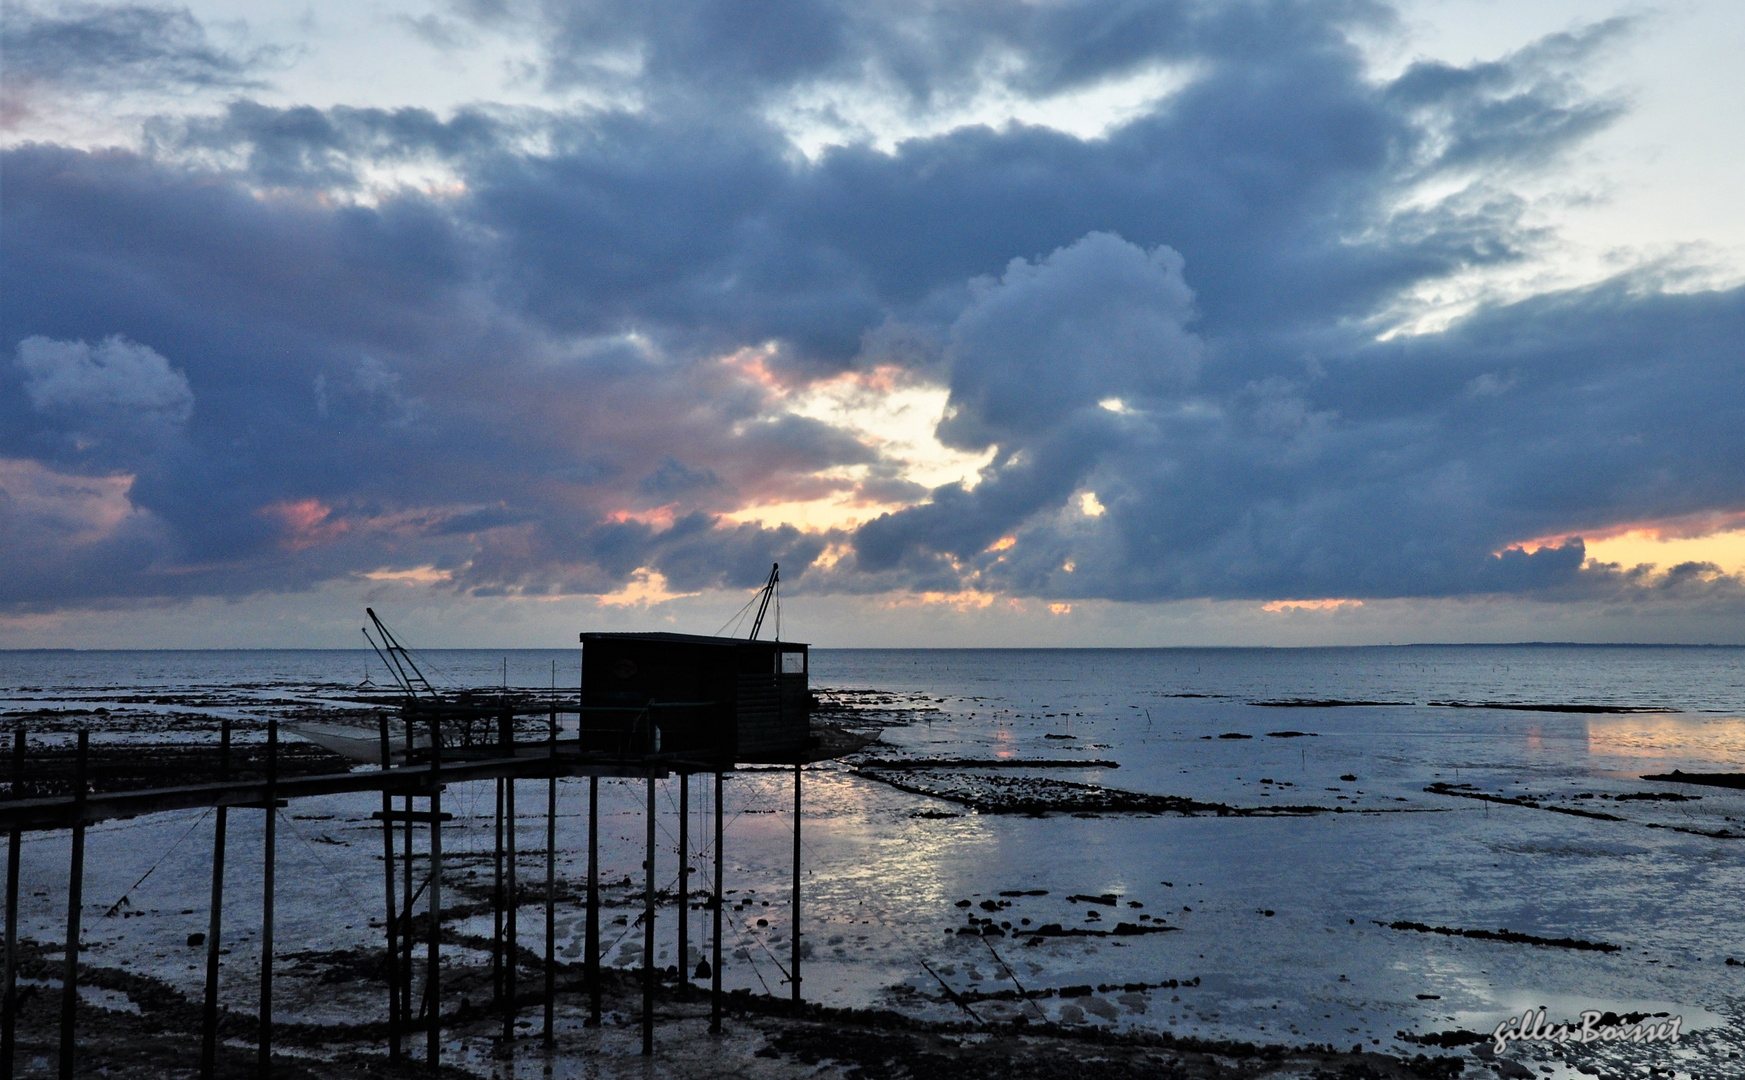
1699,739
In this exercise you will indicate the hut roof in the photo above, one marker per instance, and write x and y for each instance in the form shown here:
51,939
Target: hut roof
688,639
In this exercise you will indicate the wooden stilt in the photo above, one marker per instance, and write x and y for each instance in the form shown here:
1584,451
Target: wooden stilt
497,900
512,941
592,955
794,933
684,881
720,901
264,1057
393,964
406,897
551,888
215,921
75,902
648,928
433,976
9,998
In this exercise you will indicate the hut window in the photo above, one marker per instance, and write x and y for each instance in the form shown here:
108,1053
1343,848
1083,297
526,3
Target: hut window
793,663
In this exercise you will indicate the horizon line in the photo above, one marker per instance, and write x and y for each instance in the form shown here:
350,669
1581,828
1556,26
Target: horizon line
938,648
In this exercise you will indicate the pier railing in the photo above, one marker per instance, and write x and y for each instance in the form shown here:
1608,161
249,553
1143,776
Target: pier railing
423,772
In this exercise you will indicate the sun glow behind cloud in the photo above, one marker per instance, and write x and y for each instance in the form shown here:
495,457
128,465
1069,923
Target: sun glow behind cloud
1724,549
417,575
885,409
645,588
1703,538
1330,604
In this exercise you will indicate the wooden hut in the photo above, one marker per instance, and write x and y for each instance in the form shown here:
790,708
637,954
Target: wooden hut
710,700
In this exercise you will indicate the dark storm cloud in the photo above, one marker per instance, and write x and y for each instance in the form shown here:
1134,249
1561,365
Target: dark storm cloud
1390,469
514,372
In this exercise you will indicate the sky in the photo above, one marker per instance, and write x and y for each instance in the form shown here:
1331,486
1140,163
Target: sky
1068,322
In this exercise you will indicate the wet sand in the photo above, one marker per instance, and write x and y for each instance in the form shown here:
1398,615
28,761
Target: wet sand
135,1025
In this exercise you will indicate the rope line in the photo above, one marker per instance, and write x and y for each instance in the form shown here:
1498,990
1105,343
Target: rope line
752,960
739,616
744,933
291,824
113,908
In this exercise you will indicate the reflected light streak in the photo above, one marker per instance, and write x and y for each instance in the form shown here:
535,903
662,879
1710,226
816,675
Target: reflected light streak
1716,740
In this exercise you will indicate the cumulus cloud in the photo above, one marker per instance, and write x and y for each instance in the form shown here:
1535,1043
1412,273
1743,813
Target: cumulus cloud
115,377
572,361
1097,320
1043,363
117,404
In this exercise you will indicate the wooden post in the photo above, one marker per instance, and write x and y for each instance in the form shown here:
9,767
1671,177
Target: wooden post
509,884
648,927
684,881
393,959
795,932
551,887
264,1058
406,885
715,971
75,901
433,976
592,957
215,920
9,1002
497,899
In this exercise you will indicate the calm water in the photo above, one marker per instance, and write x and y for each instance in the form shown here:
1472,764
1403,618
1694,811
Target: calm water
1281,919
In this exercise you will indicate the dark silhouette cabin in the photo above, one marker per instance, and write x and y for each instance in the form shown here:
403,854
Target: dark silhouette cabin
714,700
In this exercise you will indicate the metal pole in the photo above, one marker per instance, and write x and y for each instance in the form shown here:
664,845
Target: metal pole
394,1010
433,975
684,881
509,883
795,933
648,928
215,920
9,1004
592,955
715,971
264,1060
551,886
75,902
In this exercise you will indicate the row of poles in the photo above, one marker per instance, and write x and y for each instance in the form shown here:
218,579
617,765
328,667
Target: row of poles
400,944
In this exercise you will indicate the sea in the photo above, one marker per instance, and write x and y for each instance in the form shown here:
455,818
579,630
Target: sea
1397,848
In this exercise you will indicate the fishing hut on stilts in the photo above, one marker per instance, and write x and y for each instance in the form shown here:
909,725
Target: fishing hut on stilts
650,706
